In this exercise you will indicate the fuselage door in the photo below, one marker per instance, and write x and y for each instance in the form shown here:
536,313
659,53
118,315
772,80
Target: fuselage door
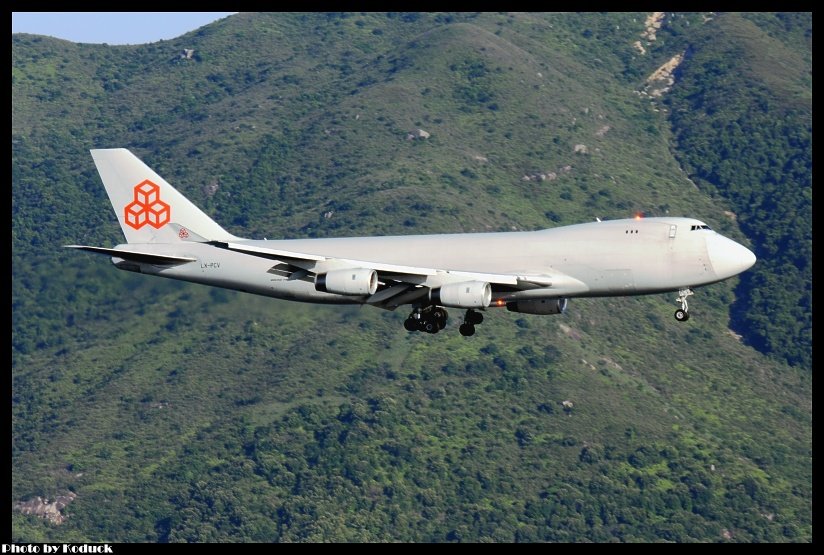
673,229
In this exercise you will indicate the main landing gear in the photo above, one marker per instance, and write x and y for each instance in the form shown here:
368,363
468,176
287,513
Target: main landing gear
432,319
471,320
683,314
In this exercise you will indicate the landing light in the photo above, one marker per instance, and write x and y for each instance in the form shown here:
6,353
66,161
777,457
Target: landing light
638,216
500,302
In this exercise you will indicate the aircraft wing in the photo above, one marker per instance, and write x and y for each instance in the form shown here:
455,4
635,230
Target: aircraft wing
415,274
400,284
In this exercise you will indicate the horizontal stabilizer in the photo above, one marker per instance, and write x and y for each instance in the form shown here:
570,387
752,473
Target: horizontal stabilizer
136,256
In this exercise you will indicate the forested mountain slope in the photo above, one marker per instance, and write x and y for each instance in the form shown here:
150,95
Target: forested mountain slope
175,412
742,115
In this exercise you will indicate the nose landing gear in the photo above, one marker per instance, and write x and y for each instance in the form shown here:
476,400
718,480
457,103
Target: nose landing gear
682,314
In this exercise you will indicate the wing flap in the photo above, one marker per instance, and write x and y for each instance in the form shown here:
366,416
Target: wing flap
399,297
388,293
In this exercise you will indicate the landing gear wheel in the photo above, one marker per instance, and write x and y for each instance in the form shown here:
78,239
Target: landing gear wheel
440,316
467,330
682,315
430,319
473,318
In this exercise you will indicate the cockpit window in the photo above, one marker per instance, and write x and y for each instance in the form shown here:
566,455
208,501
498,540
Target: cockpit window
694,227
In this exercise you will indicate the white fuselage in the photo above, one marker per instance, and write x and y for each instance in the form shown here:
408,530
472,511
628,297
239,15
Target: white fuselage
609,258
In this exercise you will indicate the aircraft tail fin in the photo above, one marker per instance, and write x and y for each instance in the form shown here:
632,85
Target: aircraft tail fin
146,204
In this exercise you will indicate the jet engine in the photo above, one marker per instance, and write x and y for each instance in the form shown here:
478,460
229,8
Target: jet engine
355,281
470,294
538,306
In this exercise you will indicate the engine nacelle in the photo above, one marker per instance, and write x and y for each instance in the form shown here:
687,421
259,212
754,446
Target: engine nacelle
469,294
538,306
353,281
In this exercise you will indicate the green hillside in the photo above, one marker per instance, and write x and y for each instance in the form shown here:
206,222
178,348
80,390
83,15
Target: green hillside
176,412
742,115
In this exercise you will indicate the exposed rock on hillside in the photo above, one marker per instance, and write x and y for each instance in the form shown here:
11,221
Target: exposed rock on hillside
661,80
42,508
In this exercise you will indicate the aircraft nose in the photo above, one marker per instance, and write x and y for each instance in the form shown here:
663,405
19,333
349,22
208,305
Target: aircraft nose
727,257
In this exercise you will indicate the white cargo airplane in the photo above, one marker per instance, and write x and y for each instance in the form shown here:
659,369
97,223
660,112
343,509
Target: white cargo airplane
532,272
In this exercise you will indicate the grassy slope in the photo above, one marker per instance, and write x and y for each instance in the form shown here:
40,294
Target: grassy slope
196,414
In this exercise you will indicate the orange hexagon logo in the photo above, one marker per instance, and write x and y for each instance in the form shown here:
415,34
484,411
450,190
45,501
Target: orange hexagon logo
147,208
